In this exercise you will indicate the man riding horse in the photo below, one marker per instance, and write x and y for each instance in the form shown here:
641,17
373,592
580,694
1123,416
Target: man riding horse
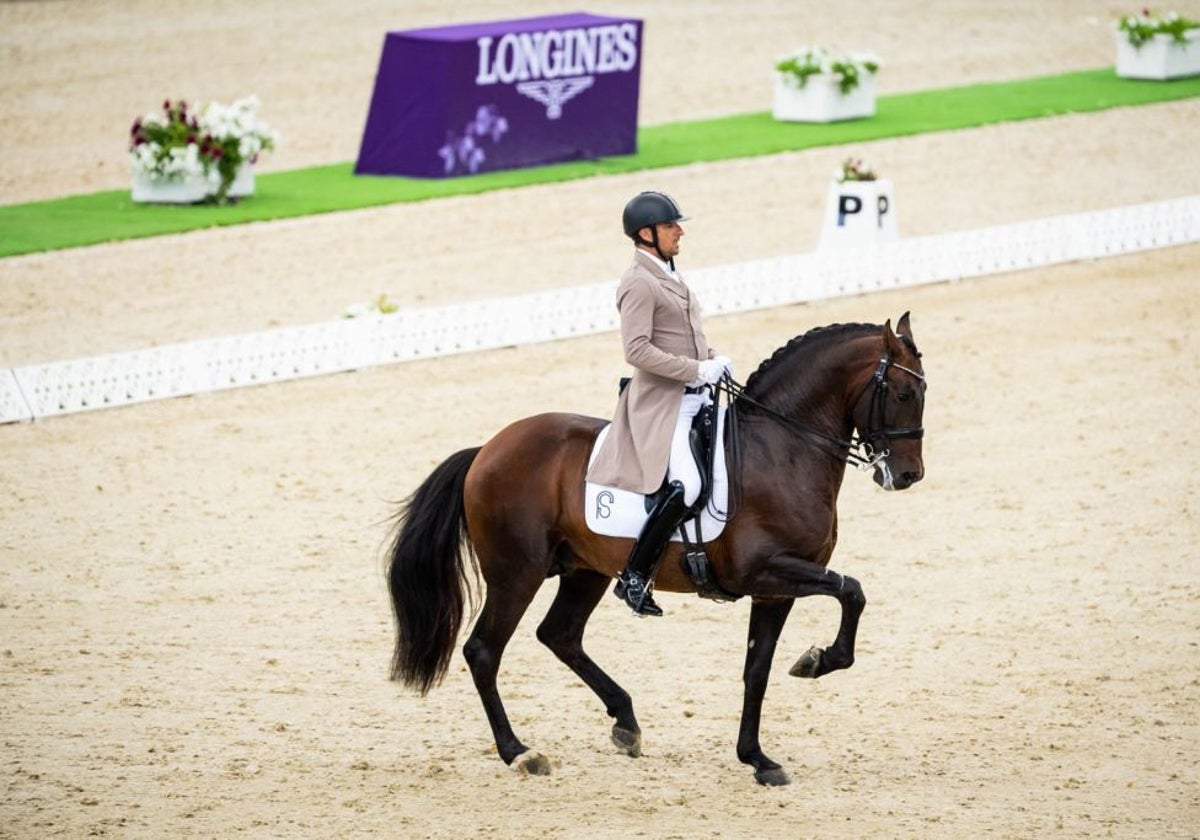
674,369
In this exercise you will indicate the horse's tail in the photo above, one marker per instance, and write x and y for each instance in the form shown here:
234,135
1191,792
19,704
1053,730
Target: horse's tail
427,574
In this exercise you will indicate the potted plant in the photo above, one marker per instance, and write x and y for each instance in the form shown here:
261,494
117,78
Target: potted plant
859,208
200,154
854,169
1150,46
813,84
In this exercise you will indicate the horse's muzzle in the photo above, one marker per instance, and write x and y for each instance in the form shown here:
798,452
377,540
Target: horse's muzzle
901,480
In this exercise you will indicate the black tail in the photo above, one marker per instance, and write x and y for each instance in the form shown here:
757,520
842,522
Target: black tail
427,575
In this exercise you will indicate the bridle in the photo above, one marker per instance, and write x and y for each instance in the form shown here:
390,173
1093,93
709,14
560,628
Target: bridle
862,450
867,450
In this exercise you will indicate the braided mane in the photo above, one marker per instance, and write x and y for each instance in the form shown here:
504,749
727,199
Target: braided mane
804,343
811,340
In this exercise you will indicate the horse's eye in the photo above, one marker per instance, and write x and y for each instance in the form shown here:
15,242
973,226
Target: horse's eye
904,396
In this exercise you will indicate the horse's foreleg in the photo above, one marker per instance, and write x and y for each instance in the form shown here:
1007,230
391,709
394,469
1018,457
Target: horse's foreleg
785,576
562,631
840,654
766,623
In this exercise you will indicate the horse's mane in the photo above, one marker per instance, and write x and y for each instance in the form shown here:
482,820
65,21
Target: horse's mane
812,340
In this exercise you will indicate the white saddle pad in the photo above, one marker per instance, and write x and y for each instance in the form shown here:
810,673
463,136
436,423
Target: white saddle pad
613,512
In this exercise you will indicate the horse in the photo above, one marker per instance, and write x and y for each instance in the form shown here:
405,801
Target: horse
512,512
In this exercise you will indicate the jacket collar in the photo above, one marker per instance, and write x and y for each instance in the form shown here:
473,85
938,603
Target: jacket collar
658,269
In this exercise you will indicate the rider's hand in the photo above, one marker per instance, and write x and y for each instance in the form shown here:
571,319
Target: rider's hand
710,371
726,362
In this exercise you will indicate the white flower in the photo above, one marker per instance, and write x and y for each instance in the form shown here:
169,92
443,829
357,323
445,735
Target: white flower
159,144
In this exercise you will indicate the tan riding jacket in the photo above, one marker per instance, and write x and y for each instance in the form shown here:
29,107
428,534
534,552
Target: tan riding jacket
664,341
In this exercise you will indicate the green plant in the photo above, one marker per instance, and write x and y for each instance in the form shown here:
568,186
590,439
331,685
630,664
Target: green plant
854,169
382,305
804,62
1141,28
211,143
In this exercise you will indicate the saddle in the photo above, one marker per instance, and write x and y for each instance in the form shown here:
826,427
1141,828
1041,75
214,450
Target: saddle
702,439
701,442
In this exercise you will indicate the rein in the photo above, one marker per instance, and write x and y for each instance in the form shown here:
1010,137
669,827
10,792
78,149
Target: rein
736,392
864,452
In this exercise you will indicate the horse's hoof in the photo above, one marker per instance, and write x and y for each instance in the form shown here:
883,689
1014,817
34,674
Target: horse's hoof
808,665
772,778
531,763
627,742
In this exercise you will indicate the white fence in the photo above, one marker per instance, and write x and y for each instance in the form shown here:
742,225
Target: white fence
193,367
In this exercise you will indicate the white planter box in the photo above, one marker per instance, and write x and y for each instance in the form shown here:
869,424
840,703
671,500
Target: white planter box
1162,57
243,183
859,213
820,101
150,190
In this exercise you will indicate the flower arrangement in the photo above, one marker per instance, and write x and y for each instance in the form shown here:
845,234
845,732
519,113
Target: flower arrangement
811,61
209,143
854,169
1141,28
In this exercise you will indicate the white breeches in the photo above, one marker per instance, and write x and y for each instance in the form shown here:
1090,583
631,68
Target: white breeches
682,466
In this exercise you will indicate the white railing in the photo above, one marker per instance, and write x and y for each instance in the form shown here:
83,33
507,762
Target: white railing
277,355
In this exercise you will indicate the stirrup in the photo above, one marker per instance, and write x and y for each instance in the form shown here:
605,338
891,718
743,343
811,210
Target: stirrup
636,591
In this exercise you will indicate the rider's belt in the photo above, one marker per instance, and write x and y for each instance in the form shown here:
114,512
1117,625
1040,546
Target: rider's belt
687,389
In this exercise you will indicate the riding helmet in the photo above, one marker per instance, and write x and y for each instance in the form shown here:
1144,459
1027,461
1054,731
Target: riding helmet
648,209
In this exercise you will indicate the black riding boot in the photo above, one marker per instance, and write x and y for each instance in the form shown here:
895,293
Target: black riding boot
635,584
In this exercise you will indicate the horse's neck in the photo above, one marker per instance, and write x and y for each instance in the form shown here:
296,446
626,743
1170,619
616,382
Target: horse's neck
804,456
813,393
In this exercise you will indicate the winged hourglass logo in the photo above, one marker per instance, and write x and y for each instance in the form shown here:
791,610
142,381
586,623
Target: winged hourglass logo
554,92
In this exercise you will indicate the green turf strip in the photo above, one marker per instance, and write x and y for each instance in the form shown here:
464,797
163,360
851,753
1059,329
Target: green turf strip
109,216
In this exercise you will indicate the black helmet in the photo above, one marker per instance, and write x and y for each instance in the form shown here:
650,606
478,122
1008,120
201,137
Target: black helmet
648,209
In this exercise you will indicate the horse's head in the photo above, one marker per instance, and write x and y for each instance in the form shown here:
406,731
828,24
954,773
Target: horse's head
889,407
857,387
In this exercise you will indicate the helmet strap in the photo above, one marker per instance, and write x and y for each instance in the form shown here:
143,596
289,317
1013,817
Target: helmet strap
654,244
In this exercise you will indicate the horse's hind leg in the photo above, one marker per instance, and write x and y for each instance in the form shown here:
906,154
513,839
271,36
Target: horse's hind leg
562,631
502,611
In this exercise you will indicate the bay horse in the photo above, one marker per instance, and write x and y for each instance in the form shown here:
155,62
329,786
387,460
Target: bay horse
514,508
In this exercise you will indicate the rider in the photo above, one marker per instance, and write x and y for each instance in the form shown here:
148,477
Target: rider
673,371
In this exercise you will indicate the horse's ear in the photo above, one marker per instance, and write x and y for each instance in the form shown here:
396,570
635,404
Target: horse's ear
903,327
890,342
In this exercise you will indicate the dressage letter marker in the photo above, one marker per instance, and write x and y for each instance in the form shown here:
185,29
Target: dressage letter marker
848,205
859,213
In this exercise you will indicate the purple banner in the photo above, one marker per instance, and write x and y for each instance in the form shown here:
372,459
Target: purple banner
459,100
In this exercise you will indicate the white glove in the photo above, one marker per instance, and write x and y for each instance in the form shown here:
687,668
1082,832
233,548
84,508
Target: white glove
710,371
727,362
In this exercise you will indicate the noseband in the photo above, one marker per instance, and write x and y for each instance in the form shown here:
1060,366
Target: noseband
872,447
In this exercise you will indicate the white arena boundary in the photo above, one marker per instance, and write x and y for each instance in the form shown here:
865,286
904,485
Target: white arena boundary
193,367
